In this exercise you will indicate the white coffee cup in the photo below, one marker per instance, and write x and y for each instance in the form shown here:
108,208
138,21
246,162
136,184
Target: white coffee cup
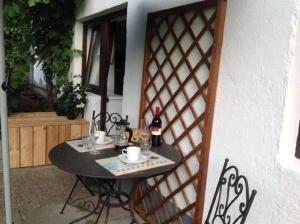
100,135
132,153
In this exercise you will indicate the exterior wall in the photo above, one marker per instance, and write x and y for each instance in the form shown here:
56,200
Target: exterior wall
93,9
76,64
137,11
38,76
292,109
251,103
257,111
136,29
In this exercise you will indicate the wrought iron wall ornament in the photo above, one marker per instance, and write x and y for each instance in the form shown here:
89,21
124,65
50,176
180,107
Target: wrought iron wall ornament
232,199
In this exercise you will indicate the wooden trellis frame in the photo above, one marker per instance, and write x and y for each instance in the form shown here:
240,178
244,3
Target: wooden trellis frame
178,86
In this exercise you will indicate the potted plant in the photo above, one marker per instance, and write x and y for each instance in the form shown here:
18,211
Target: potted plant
70,99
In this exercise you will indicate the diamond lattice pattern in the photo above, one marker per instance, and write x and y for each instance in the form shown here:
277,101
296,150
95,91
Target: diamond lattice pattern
176,76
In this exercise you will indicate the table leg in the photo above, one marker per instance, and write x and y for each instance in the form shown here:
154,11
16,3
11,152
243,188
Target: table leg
107,209
102,207
84,184
94,210
63,208
104,198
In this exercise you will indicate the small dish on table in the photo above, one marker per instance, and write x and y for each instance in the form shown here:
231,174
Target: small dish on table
124,159
107,140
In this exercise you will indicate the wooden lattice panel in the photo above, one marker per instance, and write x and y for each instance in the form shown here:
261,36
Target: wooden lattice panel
177,63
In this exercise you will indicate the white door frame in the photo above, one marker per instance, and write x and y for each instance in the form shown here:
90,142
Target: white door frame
4,126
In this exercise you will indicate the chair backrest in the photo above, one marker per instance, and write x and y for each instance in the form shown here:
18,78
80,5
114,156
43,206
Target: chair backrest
231,201
113,121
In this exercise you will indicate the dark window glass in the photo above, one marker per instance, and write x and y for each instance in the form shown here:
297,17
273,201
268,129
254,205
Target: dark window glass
117,53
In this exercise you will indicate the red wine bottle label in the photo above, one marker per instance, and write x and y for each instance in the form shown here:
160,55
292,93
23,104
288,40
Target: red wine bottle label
155,131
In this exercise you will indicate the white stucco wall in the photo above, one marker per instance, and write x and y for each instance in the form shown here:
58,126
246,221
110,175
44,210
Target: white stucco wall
137,11
257,105
256,68
136,29
38,76
292,108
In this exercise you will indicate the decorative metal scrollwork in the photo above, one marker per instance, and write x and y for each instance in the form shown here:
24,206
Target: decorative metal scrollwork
83,204
111,120
231,201
110,195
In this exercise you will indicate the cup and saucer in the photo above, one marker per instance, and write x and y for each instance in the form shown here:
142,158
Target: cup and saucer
101,139
132,155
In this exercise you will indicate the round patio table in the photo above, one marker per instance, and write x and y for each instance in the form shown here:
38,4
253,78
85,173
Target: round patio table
84,165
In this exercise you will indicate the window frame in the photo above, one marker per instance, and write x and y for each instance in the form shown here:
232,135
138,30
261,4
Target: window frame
103,24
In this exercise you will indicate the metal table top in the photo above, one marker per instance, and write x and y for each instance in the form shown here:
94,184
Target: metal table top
68,159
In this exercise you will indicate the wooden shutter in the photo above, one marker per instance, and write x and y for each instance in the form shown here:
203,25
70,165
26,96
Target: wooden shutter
179,78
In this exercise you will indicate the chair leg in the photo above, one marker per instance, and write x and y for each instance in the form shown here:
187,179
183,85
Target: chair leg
107,209
86,187
89,214
63,208
103,205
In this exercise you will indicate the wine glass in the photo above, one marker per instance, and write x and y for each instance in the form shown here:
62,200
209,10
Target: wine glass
123,138
145,142
93,139
86,142
146,133
145,147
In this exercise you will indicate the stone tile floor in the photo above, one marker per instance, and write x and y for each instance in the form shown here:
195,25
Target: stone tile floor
38,194
0,154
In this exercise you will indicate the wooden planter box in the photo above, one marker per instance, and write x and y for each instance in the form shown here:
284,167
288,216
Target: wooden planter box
33,135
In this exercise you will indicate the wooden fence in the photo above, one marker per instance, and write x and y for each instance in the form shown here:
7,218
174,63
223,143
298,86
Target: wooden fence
33,135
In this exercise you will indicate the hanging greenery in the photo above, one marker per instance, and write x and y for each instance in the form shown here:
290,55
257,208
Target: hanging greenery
52,35
39,31
17,33
17,48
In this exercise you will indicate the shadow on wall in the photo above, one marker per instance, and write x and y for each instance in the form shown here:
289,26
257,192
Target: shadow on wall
171,208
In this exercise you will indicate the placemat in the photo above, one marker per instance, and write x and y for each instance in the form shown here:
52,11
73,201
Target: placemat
117,167
78,146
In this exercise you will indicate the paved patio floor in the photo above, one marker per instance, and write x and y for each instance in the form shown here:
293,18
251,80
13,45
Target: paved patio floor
38,194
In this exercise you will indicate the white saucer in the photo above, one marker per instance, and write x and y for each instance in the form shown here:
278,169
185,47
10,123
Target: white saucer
124,159
107,140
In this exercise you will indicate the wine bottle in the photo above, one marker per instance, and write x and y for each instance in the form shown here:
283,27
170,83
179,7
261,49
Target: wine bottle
155,128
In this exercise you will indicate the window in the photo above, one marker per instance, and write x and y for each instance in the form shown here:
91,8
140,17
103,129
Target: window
104,53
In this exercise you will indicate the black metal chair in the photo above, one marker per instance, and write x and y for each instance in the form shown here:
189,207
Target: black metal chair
113,120
93,185
232,199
